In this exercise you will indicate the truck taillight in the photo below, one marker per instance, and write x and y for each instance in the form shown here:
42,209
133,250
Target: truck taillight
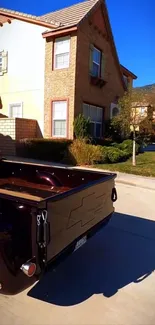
28,268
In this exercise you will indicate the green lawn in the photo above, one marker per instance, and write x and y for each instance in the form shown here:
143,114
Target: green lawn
145,165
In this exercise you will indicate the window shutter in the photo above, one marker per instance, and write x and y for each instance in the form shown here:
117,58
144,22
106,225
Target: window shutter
91,59
4,62
102,65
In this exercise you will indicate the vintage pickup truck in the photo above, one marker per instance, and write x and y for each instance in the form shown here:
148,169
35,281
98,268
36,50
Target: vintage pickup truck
46,213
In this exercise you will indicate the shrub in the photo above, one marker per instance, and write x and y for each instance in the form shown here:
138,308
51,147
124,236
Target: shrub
115,155
85,154
81,127
105,155
113,130
116,145
43,149
102,142
82,153
128,146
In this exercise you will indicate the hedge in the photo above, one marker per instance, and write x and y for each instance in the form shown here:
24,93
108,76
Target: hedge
113,155
81,153
44,149
127,146
77,152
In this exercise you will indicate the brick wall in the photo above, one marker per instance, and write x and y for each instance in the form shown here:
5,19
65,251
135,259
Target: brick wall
90,32
7,136
25,128
59,84
12,130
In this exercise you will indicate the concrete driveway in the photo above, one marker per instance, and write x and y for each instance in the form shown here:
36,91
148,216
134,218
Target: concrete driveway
110,280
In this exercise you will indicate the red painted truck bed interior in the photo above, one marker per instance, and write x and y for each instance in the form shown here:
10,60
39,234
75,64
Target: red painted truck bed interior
38,182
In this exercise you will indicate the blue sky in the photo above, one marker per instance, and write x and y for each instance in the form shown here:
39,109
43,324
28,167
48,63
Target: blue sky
133,26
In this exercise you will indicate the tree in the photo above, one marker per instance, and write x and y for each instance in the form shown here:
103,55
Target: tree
147,125
130,116
81,127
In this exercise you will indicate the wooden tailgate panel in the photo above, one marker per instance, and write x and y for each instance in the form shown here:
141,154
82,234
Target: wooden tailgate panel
74,215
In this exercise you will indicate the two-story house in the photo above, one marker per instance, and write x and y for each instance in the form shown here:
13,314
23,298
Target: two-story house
58,65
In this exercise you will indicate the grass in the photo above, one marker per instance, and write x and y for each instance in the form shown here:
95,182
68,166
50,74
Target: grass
145,165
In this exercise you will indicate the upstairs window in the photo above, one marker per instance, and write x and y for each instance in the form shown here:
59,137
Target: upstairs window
143,110
3,62
97,62
16,110
125,80
61,53
0,62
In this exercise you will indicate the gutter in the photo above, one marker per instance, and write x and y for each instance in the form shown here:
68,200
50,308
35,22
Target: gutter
61,31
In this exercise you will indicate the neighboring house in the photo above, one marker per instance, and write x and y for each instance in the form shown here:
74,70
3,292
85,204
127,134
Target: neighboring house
128,77
140,112
22,61
58,65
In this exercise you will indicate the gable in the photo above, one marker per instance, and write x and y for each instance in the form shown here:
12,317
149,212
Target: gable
97,19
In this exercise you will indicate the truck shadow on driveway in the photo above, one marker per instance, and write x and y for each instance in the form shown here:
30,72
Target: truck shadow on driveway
121,253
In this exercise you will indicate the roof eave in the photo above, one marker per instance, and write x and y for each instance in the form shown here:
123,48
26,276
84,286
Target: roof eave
129,72
27,19
113,45
59,32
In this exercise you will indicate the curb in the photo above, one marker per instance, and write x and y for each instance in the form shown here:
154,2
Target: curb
119,179
134,185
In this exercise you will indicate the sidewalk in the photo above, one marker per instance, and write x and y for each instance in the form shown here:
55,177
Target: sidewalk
122,178
130,179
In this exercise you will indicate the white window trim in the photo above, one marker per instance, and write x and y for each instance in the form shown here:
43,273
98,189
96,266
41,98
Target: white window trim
143,110
55,119
12,104
54,55
1,72
112,106
98,64
4,55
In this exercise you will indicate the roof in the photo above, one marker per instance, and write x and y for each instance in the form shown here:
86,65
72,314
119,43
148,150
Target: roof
6,14
67,18
128,72
72,15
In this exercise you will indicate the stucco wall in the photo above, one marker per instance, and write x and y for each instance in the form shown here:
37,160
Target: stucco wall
24,81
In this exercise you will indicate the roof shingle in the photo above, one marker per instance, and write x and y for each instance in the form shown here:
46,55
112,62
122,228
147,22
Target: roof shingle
6,12
72,15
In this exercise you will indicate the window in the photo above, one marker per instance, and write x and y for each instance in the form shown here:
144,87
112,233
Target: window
114,110
0,62
16,110
97,62
59,119
143,110
125,80
3,62
61,53
95,114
